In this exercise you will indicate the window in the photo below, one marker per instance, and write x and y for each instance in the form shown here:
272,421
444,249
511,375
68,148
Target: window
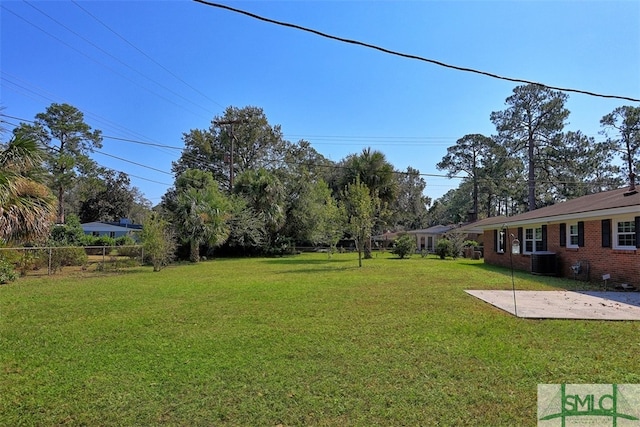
533,240
625,235
112,234
572,236
95,233
500,247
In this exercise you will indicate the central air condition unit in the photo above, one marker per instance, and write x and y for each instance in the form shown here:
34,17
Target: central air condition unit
544,263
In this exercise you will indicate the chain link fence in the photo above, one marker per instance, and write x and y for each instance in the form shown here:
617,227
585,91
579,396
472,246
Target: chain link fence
41,261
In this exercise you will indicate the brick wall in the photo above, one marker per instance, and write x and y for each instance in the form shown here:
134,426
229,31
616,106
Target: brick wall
623,266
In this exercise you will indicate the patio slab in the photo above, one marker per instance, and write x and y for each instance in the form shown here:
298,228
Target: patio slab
565,304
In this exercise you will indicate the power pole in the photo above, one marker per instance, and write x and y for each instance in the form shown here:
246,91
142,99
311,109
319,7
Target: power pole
232,137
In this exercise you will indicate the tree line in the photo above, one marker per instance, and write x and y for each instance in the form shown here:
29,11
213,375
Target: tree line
533,162
241,188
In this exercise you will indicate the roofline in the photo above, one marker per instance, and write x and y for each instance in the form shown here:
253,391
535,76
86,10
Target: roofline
565,217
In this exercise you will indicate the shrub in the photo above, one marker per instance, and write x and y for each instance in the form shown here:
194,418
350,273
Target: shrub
125,241
470,244
30,259
98,241
443,248
67,256
158,241
132,252
104,241
404,245
7,274
68,234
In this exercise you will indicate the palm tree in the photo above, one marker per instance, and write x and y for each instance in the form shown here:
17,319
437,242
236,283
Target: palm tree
201,211
27,207
265,194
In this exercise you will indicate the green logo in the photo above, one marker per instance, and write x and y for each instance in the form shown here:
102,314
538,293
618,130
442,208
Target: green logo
616,405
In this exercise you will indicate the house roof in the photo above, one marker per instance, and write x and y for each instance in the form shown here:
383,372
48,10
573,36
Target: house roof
615,202
436,229
105,227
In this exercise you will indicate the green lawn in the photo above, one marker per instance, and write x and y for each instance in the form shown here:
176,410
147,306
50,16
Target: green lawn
292,341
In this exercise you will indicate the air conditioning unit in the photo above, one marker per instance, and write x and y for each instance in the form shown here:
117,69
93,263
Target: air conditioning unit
544,263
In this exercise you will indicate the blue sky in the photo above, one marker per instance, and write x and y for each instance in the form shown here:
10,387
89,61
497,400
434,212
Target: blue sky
157,69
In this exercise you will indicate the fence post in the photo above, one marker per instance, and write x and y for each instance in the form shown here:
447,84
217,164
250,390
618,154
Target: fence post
50,257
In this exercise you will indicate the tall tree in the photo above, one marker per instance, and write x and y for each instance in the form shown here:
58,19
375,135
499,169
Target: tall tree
374,171
113,200
583,166
533,120
247,230
468,156
622,127
202,211
501,181
264,193
309,210
239,140
69,140
410,210
27,207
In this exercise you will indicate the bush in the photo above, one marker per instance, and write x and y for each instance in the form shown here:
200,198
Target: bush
443,248
67,256
68,234
7,274
132,252
404,245
125,241
98,241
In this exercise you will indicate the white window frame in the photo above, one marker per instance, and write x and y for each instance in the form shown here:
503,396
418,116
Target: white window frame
572,232
630,222
501,239
532,235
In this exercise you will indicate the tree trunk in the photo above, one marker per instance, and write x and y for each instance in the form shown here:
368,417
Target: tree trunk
194,253
367,249
532,175
60,205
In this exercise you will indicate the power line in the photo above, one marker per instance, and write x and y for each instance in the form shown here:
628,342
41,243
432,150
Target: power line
406,55
132,162
145,54
98,62
146,77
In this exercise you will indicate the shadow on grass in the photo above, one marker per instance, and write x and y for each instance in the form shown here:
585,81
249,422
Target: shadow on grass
553,281
305,261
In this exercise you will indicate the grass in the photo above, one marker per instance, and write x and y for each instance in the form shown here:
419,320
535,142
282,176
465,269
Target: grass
292,341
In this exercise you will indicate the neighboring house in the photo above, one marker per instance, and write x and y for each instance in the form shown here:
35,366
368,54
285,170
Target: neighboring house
112,229
593,235
426,239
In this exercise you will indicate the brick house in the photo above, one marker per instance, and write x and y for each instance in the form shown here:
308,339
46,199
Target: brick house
592,236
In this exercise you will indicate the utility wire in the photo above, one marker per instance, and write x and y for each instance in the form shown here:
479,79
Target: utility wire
332,165
146,77
406,55
98,62
145,54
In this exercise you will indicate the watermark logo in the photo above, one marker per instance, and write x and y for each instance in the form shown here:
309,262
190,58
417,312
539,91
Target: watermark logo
616,405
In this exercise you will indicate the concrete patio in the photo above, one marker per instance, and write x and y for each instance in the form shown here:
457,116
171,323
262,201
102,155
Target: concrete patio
591,305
